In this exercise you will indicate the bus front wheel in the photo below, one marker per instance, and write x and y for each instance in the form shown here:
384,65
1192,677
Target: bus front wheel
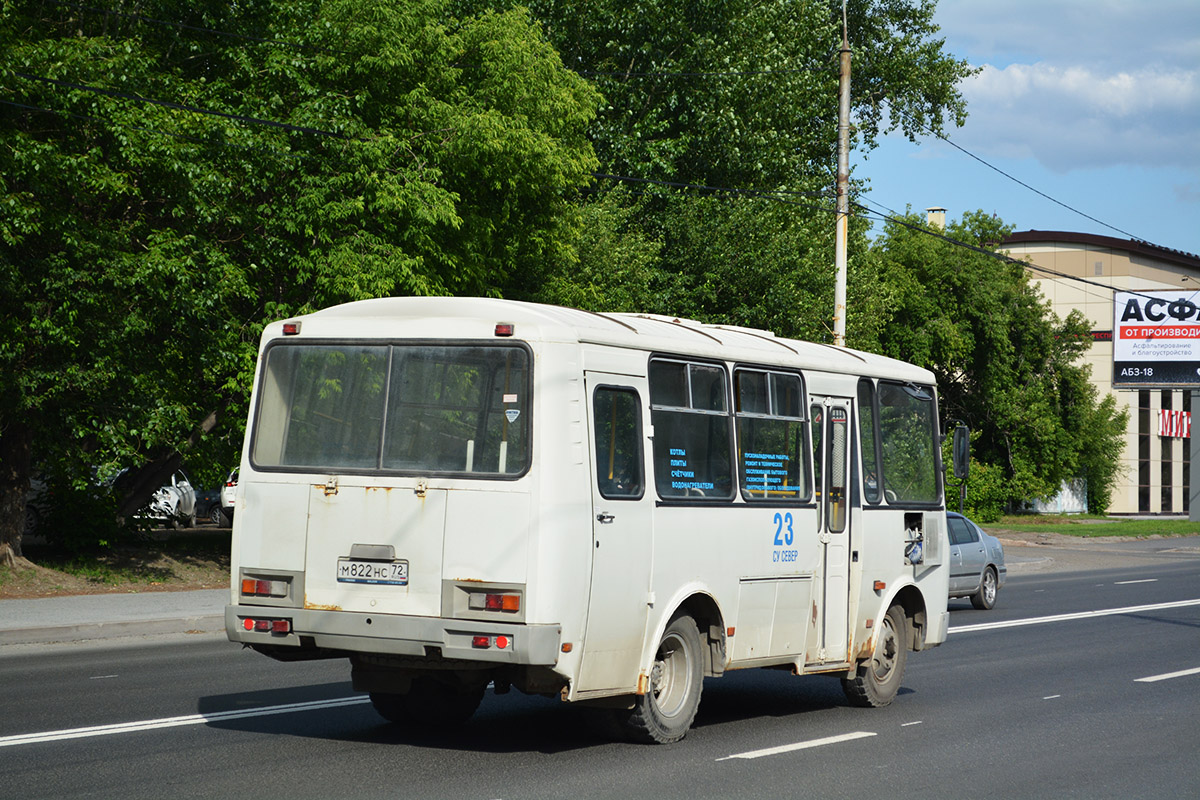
877,679
665,712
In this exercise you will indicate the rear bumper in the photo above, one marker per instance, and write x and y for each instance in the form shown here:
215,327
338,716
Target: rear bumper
431,637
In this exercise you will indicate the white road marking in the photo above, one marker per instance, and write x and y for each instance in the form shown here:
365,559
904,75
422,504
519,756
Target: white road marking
1169,675
918,722
1106,612
787,748
1143,580
174,722
1052,697
100,677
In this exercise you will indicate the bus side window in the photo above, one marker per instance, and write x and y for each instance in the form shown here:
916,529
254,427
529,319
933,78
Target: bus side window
693,440
618,445
869,440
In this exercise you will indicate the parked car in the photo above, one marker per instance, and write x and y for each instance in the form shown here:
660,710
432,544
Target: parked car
174,502
977,567
208,505
228,491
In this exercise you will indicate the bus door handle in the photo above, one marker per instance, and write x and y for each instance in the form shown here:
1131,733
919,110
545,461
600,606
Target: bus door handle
604,518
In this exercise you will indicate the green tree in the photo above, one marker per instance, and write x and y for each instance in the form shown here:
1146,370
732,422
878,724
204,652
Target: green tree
742,95
1005,364
174,175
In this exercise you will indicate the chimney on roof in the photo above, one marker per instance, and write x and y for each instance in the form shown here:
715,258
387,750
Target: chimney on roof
935,217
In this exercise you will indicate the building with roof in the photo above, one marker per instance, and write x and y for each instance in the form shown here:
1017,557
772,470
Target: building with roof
1083,271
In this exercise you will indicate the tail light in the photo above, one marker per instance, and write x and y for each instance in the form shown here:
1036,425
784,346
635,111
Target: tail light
253,587
494,601
280,626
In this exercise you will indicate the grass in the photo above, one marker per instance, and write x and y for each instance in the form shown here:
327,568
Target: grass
1089,526
163,560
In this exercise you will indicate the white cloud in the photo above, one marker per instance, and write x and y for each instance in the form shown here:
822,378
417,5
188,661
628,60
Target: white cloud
1071,117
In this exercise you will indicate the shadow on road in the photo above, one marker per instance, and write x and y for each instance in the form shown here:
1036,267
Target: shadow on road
513,722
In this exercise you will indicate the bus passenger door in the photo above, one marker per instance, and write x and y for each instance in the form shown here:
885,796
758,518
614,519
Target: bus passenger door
621,532
831,479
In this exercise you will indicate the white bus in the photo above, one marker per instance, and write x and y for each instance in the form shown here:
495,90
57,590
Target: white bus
457,493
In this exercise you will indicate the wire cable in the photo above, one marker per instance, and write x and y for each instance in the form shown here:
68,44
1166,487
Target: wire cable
184,107
946,139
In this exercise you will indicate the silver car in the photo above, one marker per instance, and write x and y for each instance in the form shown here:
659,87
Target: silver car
976,562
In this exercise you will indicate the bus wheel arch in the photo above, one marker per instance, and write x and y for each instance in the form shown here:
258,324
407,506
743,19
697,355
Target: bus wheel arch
877,678
910,599
711,625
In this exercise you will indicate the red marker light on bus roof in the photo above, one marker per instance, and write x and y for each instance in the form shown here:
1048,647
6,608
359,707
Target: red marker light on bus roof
291,328
504,329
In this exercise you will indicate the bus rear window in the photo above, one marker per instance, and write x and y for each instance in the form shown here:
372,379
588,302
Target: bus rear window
406,408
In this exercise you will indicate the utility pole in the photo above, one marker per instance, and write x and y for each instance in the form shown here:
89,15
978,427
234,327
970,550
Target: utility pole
843,188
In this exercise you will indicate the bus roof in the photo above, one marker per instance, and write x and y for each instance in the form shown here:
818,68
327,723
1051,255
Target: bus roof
476,318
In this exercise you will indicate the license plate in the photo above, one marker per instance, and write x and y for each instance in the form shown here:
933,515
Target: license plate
391,573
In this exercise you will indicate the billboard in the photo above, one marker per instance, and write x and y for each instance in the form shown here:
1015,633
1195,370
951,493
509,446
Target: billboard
1156,339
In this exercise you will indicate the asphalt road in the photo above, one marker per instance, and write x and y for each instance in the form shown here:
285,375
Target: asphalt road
1080,683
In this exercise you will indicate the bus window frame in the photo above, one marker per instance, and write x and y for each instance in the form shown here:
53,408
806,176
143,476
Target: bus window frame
935,444
639,441
805,455
730,427
527,407
877,455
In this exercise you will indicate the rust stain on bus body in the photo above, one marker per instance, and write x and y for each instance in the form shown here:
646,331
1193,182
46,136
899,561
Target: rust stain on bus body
320,606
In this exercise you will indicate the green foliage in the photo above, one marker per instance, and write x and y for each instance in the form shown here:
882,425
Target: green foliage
83,519
987,493
168,190
1006,365
738,95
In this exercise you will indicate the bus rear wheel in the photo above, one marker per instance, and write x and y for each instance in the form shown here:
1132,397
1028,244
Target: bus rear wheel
430,703
877,679
665,712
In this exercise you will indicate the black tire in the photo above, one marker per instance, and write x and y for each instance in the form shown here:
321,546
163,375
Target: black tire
430,703
32,521
215,516
877,680
664,713
985,598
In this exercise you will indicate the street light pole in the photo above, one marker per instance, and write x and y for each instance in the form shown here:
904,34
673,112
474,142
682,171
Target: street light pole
843,188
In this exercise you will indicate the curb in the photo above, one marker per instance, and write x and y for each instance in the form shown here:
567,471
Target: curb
51,634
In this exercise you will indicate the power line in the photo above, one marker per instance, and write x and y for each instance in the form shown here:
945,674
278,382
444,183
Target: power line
741,73
999,256
722,189
184,107
155,131
961,149
195,28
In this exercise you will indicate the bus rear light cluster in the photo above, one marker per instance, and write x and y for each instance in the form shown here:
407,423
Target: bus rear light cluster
267,625
494,601
259,588
488,642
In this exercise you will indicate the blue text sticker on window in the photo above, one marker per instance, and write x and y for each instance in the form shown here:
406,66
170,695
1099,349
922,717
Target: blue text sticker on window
511,414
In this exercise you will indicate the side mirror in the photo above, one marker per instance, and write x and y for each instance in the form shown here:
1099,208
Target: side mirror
962,452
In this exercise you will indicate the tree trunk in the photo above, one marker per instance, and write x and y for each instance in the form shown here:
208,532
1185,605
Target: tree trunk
16,441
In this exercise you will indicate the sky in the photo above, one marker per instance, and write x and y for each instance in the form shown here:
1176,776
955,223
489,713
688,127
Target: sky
1095,105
